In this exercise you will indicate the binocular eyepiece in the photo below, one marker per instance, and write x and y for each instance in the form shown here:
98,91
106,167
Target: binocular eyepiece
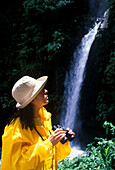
67,137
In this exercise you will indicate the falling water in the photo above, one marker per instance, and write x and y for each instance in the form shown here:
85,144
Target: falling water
74,79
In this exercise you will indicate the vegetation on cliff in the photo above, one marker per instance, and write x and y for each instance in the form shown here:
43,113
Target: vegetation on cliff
106,96
100,154
38,38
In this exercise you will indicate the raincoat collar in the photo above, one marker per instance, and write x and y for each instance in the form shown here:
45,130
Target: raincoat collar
43,115
37,121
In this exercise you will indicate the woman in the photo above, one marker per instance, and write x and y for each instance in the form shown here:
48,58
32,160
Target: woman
28,142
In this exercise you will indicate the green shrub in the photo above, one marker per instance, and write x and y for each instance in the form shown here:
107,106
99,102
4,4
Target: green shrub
100,155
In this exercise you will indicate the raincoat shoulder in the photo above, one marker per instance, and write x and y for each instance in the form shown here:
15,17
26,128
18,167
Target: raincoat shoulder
24,149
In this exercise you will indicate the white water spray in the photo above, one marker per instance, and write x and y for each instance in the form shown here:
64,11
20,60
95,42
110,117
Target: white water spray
74,80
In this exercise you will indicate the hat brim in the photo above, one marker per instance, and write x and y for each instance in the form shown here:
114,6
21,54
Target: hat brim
43,81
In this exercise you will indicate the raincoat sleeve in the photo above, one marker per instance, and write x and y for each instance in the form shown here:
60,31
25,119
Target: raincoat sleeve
20,153
28,157
62,150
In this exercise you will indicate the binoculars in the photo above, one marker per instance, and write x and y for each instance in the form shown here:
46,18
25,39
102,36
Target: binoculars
67,137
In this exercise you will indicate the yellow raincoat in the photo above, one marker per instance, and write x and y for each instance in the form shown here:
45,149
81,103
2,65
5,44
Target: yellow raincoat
24,149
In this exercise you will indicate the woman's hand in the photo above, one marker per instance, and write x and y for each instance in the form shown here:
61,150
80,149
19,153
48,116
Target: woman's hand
57,136
70,131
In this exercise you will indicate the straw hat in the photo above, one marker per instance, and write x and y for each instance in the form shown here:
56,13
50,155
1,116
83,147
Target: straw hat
26,89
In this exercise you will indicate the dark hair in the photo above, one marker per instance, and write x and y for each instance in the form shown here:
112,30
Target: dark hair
26,116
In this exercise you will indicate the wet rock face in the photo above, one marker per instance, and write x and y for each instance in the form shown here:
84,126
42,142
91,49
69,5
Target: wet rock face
96,63
104,23
97,7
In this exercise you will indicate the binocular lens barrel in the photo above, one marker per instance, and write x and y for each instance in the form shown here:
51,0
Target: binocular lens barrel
67,137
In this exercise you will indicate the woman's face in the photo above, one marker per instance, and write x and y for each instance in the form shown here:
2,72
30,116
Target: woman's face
41,99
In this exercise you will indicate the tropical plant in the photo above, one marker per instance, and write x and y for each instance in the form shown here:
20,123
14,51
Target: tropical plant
100,155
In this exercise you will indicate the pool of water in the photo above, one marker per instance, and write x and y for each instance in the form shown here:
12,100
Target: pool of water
75,152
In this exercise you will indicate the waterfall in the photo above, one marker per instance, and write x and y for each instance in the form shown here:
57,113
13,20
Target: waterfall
74,79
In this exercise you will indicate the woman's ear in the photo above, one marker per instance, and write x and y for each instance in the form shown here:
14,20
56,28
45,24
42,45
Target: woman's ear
33,101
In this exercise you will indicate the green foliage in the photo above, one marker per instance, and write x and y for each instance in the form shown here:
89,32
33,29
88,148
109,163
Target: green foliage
109,128
53,48
106,97
100,155
35,43
112,15
36,35
42,5
6,101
